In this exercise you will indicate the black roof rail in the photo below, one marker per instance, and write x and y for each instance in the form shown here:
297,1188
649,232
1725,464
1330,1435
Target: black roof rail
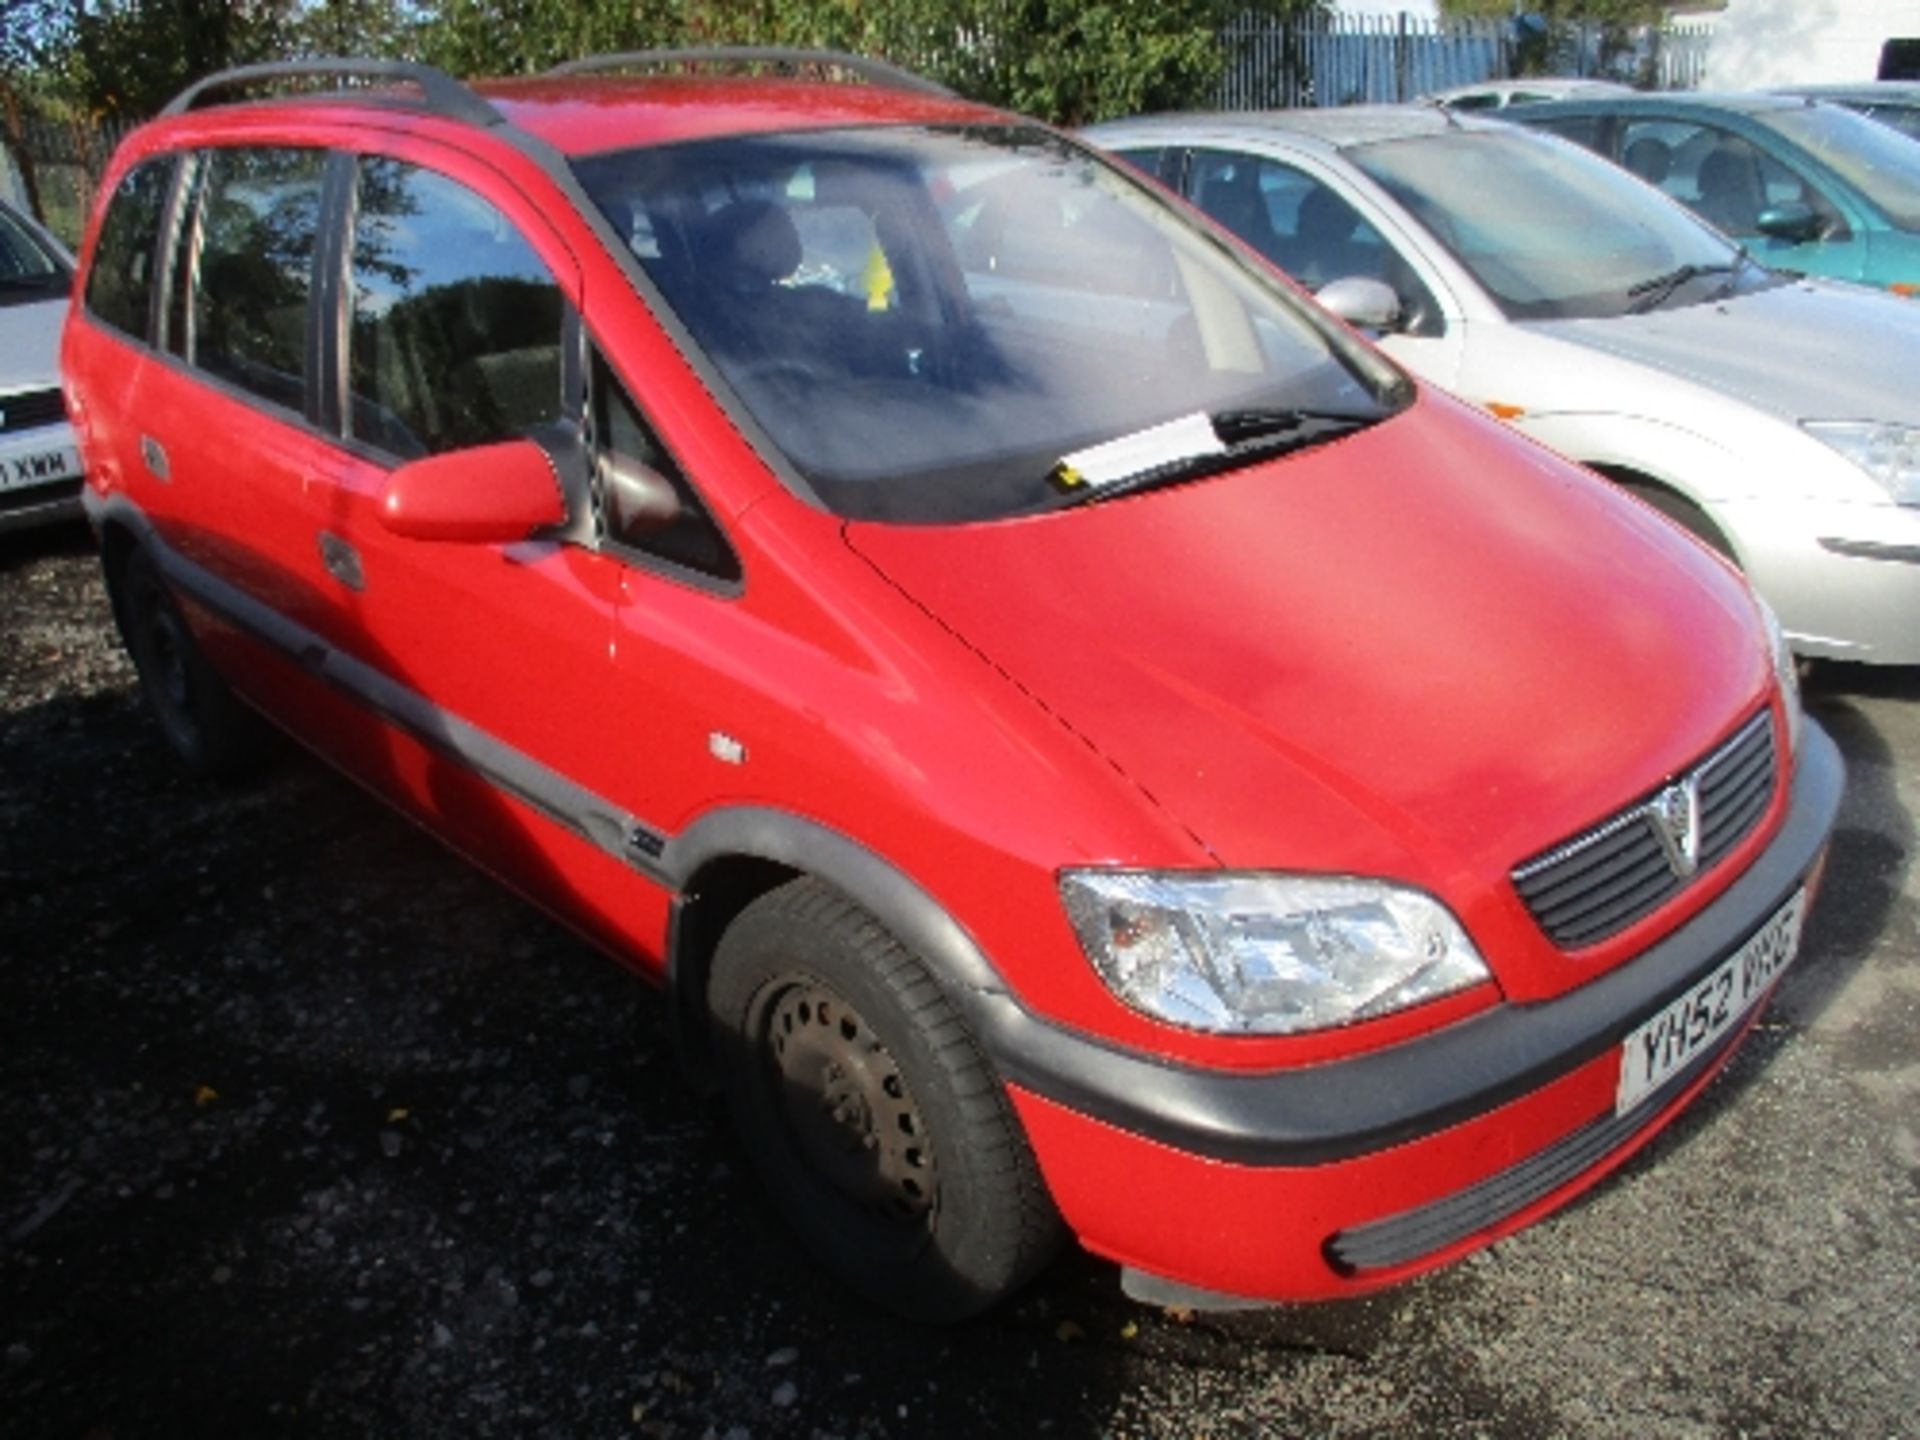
876,72
442,94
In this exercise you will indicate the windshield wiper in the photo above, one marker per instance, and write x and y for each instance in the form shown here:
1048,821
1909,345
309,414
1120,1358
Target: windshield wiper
1652,294
1247,435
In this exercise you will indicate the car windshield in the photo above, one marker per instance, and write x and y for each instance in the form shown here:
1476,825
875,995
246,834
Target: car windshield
1881,164
930,325
1551,231
28,269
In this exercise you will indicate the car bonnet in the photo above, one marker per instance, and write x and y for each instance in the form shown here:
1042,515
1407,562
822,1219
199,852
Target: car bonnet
1809,350
1428,651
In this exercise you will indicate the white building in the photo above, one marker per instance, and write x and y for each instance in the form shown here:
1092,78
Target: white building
1757,43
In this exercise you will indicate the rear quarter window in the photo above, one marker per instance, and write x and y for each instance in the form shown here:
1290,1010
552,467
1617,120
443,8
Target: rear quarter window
120,282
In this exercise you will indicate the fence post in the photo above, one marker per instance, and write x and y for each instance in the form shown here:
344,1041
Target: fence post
1402,57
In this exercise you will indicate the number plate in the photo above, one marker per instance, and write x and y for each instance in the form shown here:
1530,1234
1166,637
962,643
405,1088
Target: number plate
41,467
1662,1047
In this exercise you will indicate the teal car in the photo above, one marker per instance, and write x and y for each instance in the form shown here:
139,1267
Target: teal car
1803,185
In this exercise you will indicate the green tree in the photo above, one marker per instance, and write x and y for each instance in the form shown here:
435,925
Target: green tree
128,57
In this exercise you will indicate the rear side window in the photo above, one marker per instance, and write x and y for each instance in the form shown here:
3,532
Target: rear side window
258,226
455,333
120,284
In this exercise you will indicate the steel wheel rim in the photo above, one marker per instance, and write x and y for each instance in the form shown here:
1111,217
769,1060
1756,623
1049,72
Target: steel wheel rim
845,1107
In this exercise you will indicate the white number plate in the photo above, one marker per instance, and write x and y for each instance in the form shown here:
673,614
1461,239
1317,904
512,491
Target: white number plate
17,472
1661,1048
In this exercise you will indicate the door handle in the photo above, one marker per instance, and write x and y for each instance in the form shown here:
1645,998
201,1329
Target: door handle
154,456
342,561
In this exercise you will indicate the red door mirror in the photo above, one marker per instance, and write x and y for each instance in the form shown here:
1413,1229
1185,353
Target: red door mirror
487,495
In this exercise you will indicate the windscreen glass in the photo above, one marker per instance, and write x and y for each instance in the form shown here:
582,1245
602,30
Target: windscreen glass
28,269
927,323
1882,164
1552,232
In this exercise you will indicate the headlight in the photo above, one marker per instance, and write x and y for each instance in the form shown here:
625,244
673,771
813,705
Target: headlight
1785,671
1266,954
1890,454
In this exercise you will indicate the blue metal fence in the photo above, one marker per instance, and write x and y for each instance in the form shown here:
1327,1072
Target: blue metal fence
1354,59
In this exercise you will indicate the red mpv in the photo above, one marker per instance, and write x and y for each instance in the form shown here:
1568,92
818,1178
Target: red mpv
1083,741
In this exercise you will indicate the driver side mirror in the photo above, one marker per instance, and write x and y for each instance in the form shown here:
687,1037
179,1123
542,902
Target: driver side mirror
483,495
1363,302
1791,221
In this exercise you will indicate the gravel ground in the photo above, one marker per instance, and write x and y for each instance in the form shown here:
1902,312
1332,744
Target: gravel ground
308,1129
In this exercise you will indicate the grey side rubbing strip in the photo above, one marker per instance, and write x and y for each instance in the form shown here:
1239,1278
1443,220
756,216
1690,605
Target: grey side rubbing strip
568,804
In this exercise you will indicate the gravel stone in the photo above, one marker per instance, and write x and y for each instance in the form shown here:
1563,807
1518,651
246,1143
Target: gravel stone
291,945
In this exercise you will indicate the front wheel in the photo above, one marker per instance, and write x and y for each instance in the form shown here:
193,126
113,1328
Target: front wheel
205,724
869,1110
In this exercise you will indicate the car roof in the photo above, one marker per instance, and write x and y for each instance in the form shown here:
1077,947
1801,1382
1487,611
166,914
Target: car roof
1730,102
1334,127
584,114
1555,85
1879,92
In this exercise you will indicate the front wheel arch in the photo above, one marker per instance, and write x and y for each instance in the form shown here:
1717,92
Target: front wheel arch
729,858
1688,514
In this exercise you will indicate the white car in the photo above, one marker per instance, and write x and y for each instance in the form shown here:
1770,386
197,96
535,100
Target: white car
1498,94
39,467
1779,419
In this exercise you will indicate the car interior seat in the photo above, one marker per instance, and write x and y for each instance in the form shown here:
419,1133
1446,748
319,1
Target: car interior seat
1323,245
1730,190
1651,158
1231,194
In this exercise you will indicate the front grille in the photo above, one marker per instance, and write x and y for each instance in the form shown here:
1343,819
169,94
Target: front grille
1415,1234
30,410
1600,882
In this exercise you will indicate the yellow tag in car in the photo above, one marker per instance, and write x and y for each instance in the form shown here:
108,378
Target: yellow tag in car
877,279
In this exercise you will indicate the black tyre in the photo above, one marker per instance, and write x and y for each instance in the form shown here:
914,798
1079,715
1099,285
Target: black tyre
205,724
869,1110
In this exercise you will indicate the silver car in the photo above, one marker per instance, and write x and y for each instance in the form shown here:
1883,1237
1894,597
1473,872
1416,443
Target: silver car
1778,419
39,467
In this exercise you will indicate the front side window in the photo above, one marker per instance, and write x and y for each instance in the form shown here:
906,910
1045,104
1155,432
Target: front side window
455,326
1721,176
120,281
255,234
1306,228
927,323
1553,232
